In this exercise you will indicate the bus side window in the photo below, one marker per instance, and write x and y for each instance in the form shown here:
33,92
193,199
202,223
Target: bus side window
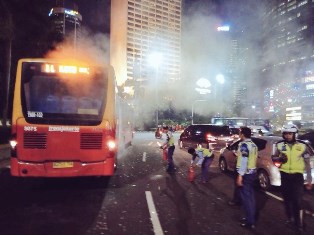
52,104
68,104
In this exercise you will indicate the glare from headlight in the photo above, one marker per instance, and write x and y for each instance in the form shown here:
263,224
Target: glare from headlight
13,143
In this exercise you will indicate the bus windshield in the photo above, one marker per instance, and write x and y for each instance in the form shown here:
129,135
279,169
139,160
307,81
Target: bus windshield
58,94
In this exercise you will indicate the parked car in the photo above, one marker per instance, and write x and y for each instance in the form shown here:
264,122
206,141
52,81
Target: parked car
268,174
208,135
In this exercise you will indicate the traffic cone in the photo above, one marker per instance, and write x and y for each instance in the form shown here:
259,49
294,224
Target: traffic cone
164,154
191,174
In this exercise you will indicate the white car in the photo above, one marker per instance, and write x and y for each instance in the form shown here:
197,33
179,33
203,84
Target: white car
260,131
268,173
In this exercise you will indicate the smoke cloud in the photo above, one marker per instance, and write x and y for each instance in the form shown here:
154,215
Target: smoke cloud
89,48
257,63
206,53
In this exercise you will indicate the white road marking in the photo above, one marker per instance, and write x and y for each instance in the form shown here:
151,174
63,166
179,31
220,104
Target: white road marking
153,214
274,196
144,157
281,199
150,143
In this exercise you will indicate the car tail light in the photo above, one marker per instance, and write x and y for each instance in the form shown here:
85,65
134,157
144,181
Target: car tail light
13,144
210,137
111,145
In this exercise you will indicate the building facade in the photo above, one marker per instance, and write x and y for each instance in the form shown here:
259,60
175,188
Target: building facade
65,22
288,59
145,35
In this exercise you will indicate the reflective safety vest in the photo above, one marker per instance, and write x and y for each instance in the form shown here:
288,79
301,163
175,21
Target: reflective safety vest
170,139
252,157
205,152
294,152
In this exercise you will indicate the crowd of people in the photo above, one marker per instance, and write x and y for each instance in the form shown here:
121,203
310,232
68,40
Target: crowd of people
293,155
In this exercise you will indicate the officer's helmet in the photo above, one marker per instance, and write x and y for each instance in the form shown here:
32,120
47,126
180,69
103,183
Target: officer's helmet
289,128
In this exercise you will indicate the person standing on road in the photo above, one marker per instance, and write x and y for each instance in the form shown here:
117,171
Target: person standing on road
206,157
236,199
294,158
169,143
246,169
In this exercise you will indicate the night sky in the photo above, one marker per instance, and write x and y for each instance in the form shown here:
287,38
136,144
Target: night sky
30,18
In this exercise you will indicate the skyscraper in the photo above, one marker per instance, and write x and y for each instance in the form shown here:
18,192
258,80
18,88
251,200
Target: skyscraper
141,32
66,22
288,56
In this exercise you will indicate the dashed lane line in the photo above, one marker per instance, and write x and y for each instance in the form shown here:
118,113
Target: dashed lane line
144,157
153,214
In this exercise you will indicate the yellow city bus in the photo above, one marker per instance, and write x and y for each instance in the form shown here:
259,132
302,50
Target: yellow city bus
65,119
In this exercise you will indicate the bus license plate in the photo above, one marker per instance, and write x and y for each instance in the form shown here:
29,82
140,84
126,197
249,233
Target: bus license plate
62,164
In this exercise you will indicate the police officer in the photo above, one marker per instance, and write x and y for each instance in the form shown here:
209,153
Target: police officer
246,169
294,156
206,157
169,143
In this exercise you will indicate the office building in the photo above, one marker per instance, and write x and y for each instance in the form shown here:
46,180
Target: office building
65,22
145,41
233,64
288,58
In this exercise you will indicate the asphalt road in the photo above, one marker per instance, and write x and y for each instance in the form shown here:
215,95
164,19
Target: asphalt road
141,198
